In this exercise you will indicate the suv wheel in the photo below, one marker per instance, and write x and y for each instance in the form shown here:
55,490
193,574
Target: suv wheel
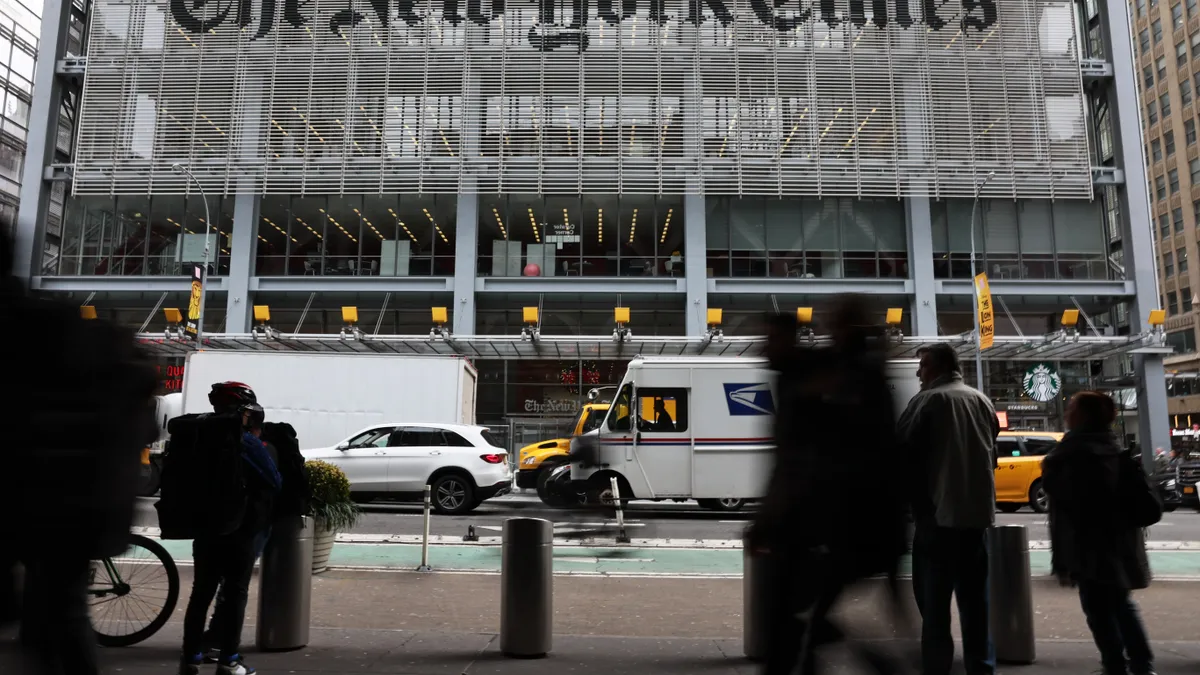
453,494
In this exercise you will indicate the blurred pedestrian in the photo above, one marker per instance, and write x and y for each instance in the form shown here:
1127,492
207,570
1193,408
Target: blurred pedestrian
1095,545
819,534
949,432
73,441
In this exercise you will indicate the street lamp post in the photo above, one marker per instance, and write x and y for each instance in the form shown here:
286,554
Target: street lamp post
975,289
179,168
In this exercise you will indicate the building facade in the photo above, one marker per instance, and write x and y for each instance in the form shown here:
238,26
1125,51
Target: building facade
666,156
18,52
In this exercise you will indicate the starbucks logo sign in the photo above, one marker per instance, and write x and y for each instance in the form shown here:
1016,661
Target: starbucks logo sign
1041,383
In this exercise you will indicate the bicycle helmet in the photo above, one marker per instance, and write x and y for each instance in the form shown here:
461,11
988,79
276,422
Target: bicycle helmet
227,397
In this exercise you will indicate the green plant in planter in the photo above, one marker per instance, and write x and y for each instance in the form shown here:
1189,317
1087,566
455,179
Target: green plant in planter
331,503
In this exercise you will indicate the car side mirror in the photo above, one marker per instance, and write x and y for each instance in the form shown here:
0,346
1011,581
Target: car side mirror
343,446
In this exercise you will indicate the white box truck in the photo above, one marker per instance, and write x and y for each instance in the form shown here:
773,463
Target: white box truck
328,397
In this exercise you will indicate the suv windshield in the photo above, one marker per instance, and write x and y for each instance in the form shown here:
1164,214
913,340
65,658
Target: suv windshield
593,420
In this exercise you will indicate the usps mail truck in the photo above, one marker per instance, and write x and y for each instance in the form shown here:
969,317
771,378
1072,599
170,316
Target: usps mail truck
692,428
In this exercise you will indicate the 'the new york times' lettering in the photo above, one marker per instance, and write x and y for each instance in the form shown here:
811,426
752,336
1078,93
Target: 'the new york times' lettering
553,31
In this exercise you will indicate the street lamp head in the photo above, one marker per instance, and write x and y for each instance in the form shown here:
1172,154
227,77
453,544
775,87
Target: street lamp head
177,167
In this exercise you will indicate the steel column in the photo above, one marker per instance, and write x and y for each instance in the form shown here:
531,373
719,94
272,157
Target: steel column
465,245
695,267
1137,235
242,247
920,265
41,139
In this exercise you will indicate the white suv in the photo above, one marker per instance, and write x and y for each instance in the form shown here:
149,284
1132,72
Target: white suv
463,464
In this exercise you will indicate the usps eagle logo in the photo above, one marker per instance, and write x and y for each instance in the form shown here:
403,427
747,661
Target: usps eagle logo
1041,383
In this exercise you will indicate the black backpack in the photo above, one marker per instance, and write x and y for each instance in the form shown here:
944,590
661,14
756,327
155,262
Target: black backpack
293,498
203,489
1140,502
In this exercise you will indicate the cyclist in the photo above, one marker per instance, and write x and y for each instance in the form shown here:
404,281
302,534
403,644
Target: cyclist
227,561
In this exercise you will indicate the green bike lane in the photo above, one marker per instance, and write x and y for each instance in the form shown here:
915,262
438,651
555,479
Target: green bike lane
625,560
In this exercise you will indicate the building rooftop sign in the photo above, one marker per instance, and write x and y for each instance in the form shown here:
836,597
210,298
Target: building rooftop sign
862,98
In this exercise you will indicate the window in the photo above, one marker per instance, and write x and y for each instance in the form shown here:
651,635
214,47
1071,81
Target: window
1156,150
1156,29
1147,76
1144,40
1185,294
1169,142
1037,447
419,437
1194,167
1008,446
454,440
1196,210
490,438
1181,258
1183,341
1164,103
1191,8
1177,219
1160,188
1177,16
618,414
1161,64
1152,113
1181,55
1196,44
1185,91
1168,266
1189,132
662,410
1172,303
375,438
1140,7
1164,226
1173,180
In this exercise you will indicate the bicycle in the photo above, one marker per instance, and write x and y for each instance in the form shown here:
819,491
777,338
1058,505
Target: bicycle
116,583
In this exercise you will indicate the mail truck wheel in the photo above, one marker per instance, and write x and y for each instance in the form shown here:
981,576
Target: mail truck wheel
724,504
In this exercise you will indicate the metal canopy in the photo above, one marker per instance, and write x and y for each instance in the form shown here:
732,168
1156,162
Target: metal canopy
1052,347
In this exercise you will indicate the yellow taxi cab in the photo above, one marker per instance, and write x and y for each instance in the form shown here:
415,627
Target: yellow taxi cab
1019,469
537,460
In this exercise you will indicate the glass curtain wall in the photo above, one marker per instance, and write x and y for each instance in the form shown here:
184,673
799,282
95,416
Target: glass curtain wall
1023,239
806,238
145,236
357,235
588,235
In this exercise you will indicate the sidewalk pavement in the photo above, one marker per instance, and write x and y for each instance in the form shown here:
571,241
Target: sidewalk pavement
435,624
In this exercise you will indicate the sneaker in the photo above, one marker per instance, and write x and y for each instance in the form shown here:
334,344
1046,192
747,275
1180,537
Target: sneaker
234,666
191,666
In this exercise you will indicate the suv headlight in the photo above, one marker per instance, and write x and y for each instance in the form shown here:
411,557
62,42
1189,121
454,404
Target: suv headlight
1170,484
529,460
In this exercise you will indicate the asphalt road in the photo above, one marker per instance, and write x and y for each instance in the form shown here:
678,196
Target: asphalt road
646,520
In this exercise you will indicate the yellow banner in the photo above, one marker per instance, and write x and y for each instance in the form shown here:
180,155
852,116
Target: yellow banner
192,325
987,320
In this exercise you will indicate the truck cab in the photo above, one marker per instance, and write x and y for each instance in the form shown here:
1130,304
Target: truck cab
539,459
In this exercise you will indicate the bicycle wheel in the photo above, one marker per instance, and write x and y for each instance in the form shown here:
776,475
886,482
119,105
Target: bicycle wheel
133,595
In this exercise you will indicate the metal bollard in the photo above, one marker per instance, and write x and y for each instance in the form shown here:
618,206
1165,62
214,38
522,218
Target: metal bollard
754,604
1011,592
622,535
527,588
424,567
285,586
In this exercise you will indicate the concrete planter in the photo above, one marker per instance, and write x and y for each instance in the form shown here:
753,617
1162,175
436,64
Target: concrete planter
322,546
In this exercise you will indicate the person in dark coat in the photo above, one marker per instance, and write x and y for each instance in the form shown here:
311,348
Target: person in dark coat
1094,547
